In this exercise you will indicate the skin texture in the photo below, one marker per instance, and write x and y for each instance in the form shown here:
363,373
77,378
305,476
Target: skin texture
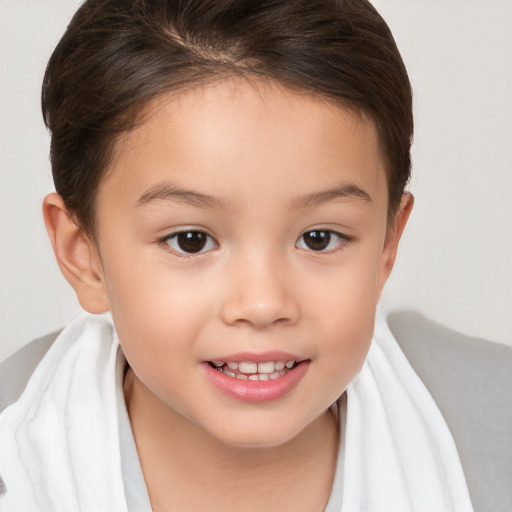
256,149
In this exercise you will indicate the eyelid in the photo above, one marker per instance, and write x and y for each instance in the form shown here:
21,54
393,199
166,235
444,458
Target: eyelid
342,237
164,241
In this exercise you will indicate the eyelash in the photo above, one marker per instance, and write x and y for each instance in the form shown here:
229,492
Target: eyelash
166,239
342,241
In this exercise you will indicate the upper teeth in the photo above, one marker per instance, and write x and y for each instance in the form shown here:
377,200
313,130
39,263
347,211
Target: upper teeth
264,367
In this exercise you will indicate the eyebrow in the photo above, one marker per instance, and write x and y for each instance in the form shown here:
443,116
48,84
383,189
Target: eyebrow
169,192
346,190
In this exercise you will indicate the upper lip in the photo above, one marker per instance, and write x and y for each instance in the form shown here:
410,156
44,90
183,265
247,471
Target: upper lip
259,357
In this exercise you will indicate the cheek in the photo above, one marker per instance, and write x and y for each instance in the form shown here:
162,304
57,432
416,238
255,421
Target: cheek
345,313
348,291
346,346
156,316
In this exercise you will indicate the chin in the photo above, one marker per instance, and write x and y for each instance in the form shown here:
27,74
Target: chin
255,441
257,434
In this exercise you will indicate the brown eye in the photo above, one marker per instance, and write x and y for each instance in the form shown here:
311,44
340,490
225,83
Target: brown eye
317,240
190,242
320,240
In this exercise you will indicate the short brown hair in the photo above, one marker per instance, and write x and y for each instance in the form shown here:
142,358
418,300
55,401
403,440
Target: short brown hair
118,55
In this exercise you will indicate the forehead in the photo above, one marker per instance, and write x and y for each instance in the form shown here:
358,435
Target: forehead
235,136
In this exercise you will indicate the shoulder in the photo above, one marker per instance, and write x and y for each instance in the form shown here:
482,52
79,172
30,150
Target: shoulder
16,370
470,380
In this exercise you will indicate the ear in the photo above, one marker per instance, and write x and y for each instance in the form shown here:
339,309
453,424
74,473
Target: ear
77,256
394,233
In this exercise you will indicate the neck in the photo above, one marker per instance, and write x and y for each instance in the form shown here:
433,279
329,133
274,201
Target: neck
190,470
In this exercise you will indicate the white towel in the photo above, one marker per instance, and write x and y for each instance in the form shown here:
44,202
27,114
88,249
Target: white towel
399,454
59,443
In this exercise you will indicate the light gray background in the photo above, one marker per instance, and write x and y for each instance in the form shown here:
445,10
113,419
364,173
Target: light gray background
455,263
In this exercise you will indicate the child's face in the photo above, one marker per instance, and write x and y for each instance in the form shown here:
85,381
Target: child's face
269,177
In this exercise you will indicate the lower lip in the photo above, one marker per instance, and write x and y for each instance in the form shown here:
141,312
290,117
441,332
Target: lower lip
256,390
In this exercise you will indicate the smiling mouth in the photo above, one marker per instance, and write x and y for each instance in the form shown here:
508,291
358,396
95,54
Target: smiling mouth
246,370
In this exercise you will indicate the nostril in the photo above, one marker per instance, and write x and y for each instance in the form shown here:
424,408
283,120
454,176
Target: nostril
260,304
259,317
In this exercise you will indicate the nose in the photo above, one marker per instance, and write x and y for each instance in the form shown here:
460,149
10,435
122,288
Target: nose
259,294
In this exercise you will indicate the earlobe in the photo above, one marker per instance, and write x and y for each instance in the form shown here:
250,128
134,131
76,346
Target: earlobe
394,233
77,256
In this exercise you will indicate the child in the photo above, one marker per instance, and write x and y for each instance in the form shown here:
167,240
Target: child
230,182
